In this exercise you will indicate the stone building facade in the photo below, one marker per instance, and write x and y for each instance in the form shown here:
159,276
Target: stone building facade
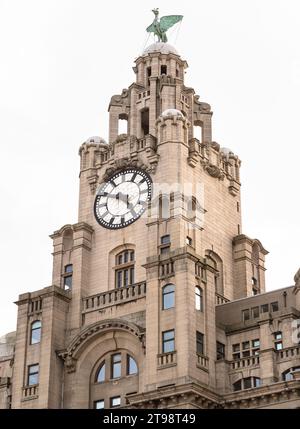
158,302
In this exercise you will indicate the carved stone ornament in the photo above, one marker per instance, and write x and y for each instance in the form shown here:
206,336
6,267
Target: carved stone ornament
213,170
200,106
120,99
70,364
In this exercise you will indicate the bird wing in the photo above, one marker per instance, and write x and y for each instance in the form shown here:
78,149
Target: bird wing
167,22
151,28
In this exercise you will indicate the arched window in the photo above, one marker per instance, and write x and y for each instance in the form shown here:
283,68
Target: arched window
288,374
36,330
101,373
168,296
132,368
218,265
246,383
199,298
124,268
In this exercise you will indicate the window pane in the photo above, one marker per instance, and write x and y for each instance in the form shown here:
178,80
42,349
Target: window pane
199,343
132,276
237,385
99,405
168,342
119,259
164,250
35,335
67,282
125,277
116,366
246,315
236,348
131,366
132,255
69,268
256,382
168,297
165,239
115,402
278,346
278,336
264,308
255,343
33,375
220,351
101,373
126,256
274,306
246,345
119,278
247,383
198,298
255,312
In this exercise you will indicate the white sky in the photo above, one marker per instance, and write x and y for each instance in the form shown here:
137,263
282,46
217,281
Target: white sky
62,60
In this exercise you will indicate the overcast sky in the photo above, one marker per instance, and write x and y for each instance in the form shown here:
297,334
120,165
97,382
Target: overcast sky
61,61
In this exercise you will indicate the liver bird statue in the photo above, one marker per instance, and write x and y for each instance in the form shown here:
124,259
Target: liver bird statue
160,27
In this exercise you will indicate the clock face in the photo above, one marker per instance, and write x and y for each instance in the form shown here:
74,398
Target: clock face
123,198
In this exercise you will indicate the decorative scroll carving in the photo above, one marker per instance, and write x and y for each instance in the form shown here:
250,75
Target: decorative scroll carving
120,99
200,106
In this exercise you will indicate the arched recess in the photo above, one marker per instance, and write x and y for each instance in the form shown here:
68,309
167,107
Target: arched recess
219,275
198,130
89,348
67,239
123,124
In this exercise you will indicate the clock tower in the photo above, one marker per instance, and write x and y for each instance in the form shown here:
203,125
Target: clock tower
136,313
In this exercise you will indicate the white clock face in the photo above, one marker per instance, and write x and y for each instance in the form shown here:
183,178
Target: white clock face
123,198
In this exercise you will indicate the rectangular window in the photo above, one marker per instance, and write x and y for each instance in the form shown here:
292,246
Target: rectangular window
256,343
116,365
278,345
278,335
115,401
189,241
256,382
168,341
220,351
33,375
236,348
165,239
163,69
199,343
125,272
131,275
164,250
125,256
246,354
264,308
246,345
119,278
246,315
99,405
255,312
247,383
274,306
236,356
67,282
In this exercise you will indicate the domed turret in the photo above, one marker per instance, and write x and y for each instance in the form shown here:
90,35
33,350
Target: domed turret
163,48
171,112
96,140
